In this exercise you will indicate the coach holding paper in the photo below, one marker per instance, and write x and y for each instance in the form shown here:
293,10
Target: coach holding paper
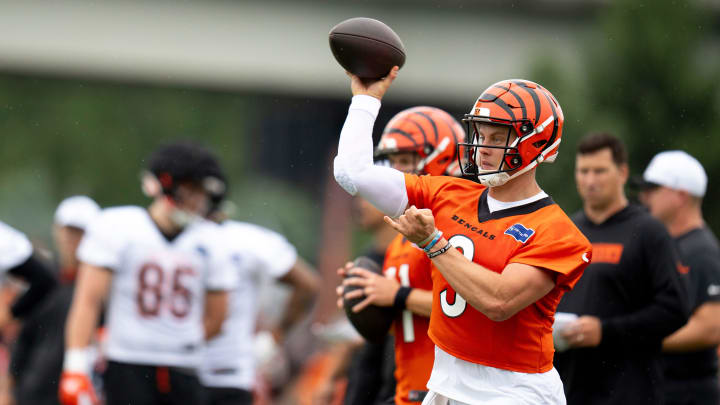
631,295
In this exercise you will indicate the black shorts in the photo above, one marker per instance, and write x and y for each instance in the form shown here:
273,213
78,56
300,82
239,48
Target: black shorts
701,391
227,396
371,379
133,384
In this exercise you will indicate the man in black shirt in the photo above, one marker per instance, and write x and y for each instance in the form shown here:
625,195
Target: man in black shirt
18,262
674,185
37,358
631,295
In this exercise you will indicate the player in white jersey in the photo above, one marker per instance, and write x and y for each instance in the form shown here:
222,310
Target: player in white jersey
17,261
229,365
165,273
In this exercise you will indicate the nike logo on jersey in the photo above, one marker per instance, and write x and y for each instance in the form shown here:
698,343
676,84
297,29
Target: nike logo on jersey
585,258
520,233
713,289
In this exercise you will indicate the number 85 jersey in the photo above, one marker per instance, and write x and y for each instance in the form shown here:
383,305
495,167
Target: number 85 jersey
156,304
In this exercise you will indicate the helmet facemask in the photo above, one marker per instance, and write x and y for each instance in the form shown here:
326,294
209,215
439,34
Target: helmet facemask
384,157
511,159
199,197
188,177
164,186
427,158
428,132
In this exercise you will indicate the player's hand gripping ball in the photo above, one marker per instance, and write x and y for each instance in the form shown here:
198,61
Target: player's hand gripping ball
366,47
373,322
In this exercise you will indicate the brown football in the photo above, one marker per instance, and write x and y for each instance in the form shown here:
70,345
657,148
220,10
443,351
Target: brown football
373,322
366,47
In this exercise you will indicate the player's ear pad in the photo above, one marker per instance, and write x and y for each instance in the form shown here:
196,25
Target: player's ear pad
373,322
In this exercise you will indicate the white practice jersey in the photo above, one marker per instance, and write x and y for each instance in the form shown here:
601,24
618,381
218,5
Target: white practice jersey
15,248
258,252
156,306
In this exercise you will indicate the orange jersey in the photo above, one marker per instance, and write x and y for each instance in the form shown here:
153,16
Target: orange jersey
537,234
414,351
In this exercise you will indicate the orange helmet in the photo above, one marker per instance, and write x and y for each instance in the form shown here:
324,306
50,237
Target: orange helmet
528,109
428,131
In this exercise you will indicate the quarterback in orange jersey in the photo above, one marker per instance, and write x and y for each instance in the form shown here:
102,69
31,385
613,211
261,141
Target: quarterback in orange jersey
422,141
503,251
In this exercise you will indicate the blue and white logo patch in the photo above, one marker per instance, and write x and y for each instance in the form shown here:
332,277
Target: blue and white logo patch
201,250
520,233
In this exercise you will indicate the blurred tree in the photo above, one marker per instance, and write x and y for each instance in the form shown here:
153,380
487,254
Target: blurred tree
63,137
647,73
647,81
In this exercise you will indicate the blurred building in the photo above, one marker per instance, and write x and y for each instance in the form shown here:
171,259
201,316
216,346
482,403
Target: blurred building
87,87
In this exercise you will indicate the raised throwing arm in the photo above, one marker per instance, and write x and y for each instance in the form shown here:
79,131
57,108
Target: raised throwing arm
354,169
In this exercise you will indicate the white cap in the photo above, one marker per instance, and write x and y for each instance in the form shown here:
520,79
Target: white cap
677,170
77,211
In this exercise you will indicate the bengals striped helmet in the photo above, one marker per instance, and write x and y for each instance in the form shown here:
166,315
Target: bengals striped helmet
530,112
428,131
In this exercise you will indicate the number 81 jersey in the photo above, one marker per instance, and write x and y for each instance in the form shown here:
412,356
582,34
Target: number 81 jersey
414,351
156,304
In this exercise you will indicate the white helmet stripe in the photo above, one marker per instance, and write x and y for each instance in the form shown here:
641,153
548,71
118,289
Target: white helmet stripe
440,148
540,127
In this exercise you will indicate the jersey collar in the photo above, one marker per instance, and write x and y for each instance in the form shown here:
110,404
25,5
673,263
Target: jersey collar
484,213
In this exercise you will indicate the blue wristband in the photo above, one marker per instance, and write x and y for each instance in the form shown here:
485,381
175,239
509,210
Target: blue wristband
427,240
433,242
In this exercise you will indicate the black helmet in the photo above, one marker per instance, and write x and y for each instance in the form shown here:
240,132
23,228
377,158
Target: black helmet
180,162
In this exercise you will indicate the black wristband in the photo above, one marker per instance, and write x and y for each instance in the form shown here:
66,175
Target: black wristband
440,251
401,298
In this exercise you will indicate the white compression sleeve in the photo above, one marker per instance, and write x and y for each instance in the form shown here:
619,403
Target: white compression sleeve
354,170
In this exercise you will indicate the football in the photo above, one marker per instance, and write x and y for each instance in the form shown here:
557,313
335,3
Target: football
373,322
366,47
